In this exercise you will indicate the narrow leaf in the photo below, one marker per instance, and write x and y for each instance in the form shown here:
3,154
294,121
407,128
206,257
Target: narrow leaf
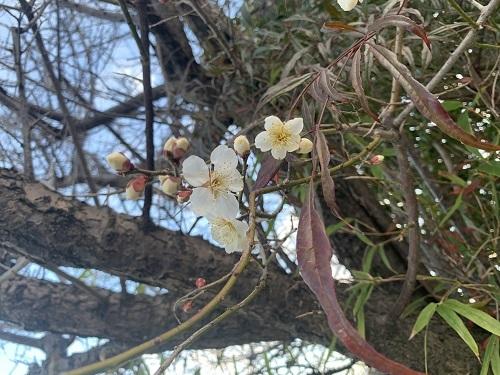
314,253
400,21
425,102
489,353
270,166
423,319
458,326
327,184
357,84
479,317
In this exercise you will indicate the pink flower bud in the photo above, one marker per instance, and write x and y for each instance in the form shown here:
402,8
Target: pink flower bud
136,186
119,162
377,159
170,185
176,148
183,196
200,282
187,306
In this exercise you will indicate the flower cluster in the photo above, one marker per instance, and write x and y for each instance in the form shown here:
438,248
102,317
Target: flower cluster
214,186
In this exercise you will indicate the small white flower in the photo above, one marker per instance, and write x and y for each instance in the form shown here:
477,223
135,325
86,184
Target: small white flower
348,5
279,137
213,187
229,233
305,146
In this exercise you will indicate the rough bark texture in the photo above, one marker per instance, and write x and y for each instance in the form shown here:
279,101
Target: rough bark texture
46,227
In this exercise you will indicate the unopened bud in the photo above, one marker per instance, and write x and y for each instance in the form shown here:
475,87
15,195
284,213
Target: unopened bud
119,162
377,159
170,185
241,145
183,196
168,148
135,187
305,146
200,282
180,148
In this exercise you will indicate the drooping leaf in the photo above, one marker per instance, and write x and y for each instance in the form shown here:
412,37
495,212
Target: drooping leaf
400,21
270,166
357,84
423,319
454,321
327,183
425,102
479,317
282,87
314,253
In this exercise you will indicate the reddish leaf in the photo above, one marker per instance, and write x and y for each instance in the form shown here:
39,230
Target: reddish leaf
323,91
314,253
425,102
400,21
357,84
270,166
327,183
336,25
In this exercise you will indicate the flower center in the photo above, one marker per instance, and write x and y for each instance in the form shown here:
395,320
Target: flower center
281,136
216,183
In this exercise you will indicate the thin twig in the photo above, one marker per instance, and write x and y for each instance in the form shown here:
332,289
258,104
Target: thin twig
230,311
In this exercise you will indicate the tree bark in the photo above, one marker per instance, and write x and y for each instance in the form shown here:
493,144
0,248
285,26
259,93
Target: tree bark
49,228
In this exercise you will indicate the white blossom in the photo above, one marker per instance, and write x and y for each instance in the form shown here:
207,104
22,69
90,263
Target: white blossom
226,230
348,5
279,137
213,186
229,233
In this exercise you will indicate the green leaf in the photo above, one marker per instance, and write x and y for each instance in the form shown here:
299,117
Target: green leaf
491,348
414,306
385,260
454,321
451,211
332,228
479,317
490,167
495,361
451,105
423,319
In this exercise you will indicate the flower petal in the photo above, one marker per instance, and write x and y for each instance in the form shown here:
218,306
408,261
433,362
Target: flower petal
278,152
295,125
233,180
263,141
224,157
347,5
195,171
271,122
225,205
202,201
293,144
